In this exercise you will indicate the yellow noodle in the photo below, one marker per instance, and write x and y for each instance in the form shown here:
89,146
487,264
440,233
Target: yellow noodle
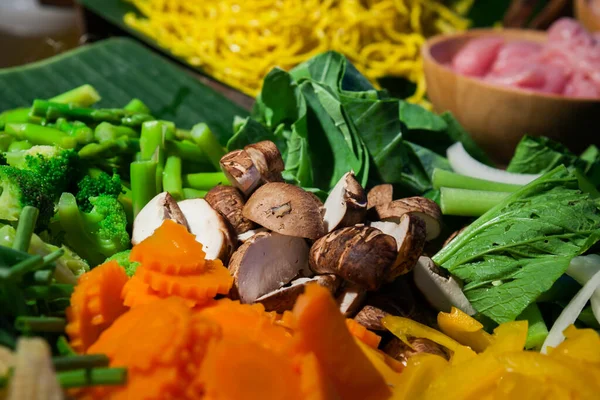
238,42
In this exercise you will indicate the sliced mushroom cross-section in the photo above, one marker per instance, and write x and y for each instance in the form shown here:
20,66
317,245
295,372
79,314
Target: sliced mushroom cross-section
160,208
421,207
346,204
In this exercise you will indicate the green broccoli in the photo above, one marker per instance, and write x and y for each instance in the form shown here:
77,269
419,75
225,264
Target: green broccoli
101,184
123,260
97,234
22,187
53,167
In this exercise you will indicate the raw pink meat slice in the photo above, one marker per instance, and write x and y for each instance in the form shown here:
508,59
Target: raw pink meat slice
477,56
569,31
515,53
543,78
580,86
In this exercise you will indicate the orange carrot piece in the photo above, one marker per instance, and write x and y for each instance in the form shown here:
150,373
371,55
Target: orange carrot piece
95,304
171,249
241,369
157,333
321,329
369,338
215,279
137,293
249,322
315,384
159,383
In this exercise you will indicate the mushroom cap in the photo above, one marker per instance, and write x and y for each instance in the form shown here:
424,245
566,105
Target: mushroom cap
421,207
359,254
380,195
210,228
410,239
162,207
285,209
267,262
244,237
268,160
370,317
441,292
346,204
229,202
240,170
284,298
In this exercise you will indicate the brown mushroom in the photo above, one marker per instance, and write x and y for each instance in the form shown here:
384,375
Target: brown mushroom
399,350
163,206
285,209
410,239
267,158
453,235
244,237
229,202
267,262
350,299
210,227
359,254
241,171
346,204
421,207
370,317
284,299
380,195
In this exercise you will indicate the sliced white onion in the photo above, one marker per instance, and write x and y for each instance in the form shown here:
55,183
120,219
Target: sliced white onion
582,269
462,163
570,313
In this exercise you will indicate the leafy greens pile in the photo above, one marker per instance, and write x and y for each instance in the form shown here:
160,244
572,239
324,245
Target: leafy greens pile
327,119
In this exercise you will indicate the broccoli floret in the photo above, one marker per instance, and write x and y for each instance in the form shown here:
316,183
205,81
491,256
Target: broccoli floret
54,167
20,188
100,185
123,260
97,234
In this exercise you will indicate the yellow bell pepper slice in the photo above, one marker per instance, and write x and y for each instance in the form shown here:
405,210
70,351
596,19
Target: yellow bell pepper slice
464,329
462,354
470,379
541,366
508,337
377,358
421,369
580,344
404,328
517,386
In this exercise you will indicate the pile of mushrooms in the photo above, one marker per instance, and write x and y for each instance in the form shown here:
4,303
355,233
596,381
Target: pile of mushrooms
276,237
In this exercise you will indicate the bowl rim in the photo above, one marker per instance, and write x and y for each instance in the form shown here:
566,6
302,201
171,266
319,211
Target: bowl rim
480,32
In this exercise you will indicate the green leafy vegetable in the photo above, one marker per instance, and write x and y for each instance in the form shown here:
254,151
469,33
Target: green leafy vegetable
518,249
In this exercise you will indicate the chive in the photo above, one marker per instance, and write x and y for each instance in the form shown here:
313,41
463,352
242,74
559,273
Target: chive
88,361
21,268
40,324
63,347
92,377
25,228
43,277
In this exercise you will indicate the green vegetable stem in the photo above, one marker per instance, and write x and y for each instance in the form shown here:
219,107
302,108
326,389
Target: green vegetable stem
203,137
468,203
444,178
205,180
172,177
143,183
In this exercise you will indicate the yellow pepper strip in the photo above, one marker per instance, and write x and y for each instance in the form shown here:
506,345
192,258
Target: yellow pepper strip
469,379
462,354
582,344
540,366
421,369
517,386
464,329
404,328
377,358
510,336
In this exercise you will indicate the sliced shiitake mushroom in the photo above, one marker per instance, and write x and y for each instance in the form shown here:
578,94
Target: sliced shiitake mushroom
267,262
346,204
399,350
442,292
410,239
370,317
162,207
241,171
359,254
229,202
284,299
243,237
285,209
350,299
421,207
380,195
267,158
210,227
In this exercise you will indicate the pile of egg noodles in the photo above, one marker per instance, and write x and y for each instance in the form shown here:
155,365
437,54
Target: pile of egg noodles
238,42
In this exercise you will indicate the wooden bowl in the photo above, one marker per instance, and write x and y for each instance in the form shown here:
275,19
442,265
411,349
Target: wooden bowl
586,14
497,117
